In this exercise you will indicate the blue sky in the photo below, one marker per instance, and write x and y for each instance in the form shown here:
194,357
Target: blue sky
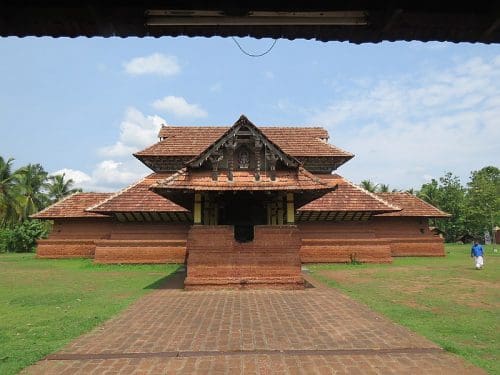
409,111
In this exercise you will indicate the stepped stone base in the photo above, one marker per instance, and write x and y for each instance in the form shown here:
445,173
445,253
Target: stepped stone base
217,261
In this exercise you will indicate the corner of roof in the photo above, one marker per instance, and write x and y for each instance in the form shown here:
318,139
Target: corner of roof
112,196
168,179
373,195
446,214
34,216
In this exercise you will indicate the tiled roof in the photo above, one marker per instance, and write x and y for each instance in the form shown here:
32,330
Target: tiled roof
291,180
138,198
411,206
191,140
73,206
348,197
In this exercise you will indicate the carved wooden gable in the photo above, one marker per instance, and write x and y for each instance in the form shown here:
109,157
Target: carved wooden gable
245,148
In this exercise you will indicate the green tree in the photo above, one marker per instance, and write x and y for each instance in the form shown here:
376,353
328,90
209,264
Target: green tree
59,188
9,198
412,191
32,184
383,188
369,186
452,200
483,201
430,193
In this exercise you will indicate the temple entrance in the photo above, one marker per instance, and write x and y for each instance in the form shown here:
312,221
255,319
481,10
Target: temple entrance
243,210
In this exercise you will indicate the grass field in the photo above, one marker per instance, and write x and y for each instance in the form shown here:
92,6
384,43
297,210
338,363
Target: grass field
444,299
46,303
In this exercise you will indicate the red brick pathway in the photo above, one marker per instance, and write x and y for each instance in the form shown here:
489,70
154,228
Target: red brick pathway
316,331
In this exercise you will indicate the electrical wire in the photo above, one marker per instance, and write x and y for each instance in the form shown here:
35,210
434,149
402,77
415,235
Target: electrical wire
251,54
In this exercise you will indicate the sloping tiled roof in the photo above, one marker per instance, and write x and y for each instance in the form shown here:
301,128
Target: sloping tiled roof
138,198
73,206
292,180
348,197
411,206
192,140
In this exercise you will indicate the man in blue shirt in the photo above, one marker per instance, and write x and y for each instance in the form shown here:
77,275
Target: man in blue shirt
478,253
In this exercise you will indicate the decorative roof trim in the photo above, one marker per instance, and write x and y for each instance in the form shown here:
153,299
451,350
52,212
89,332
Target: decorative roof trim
232,131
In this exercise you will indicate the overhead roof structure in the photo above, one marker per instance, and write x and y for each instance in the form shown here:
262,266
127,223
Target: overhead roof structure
353,21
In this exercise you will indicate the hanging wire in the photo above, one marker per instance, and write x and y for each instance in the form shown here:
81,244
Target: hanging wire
251,54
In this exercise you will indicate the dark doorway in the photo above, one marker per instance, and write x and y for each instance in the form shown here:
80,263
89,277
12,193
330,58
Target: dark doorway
243,210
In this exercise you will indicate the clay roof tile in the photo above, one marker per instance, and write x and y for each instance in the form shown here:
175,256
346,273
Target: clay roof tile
411,206
73,206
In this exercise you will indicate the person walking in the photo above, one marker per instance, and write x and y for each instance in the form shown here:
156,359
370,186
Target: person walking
477,253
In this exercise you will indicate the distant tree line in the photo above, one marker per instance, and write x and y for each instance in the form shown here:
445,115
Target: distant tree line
23,192
474,208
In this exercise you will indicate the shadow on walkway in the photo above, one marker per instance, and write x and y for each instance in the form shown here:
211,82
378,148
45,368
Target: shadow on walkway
173,281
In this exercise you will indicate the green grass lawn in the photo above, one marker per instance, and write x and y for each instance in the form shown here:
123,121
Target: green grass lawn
444,299
46,303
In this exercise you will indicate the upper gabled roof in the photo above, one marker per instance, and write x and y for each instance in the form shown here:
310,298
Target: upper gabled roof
411,206
348,197
229,136
295,141
73,206
138,198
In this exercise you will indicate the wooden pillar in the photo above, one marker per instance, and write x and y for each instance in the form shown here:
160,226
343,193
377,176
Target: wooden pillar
197,208
281,211
290,210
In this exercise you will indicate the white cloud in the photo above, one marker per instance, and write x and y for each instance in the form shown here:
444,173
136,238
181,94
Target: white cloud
156,63
119,168
110,172
79,178
136,132
107,176
404,130
179,107
216,87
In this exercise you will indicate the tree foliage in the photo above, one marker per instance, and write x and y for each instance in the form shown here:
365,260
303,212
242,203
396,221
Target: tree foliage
483,200
24,192
59,187
369,186
474,208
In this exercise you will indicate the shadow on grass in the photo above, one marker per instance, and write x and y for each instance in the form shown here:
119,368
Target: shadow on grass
173,281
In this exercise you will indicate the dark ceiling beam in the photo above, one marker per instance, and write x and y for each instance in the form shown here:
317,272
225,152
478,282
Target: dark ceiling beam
476,21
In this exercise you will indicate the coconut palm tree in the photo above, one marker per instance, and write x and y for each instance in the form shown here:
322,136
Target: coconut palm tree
32,182
383,188
9,197
369,185
430,192
59,188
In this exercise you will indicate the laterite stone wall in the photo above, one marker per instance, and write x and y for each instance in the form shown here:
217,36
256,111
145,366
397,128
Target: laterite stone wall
409,236
65,248
140,251
116,242
74,238
341,242
217,260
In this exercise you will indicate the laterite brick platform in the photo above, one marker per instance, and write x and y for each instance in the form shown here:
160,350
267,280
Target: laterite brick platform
312,331
217,261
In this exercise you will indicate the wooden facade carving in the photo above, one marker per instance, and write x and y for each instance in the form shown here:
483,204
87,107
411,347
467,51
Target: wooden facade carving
244,147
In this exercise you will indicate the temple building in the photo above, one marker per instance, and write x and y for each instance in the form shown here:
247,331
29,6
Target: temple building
241,206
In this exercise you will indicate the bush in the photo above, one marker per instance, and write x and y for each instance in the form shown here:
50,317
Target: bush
22,237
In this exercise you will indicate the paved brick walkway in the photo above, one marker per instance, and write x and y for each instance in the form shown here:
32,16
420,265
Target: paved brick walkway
317,331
